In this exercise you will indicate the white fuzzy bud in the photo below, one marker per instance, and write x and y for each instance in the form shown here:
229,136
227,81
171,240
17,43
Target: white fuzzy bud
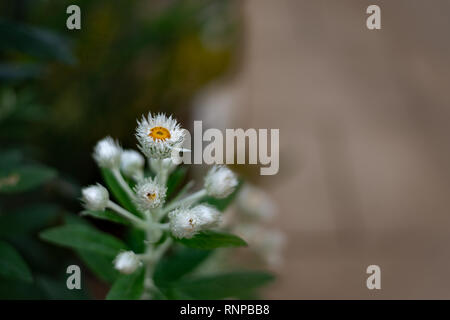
107,153
149,194
208,216
95,197
220,182
185,223
132,163
127,262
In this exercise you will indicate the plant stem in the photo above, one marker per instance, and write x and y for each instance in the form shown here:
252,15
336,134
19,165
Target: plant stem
162,173
184,202
159,252
122,182
127,215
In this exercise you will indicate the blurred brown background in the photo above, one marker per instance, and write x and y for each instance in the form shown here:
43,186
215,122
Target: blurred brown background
363,118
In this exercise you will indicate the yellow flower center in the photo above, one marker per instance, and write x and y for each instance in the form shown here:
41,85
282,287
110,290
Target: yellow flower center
159,133
151,196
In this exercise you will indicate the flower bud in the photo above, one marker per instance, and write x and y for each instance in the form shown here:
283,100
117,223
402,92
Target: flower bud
220,182
132,163
127,262
208,216
95,197
107,153
185,223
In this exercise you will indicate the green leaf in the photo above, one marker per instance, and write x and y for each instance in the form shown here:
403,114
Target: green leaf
106,215
37,42
27,219
117,191
82,237
135,239
16,290
24,178
175,180
222,204
17,72
100,265
12,265
221,286
128,287
177,265
56,288
10,158
208,239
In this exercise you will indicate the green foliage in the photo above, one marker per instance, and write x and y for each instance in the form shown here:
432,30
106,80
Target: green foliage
106,215
12,265
56,288
117,191
33,41
24,178
221,286
135,239
175,180
208,240
179,264
84,238
128,287
27,220
102,266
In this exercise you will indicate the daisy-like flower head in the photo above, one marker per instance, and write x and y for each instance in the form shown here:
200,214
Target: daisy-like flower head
149,194
220,182
132,163
95,197
127,262
187,222
107,153
158,135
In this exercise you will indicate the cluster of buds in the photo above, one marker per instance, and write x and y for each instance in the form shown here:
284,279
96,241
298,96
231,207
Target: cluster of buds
158,138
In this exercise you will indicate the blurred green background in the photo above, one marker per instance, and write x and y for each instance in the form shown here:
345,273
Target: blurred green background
61,90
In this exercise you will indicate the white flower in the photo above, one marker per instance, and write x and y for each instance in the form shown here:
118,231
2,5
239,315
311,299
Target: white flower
95,197
185,223
149,194
132,163
220,182
127,262
107,153
158,135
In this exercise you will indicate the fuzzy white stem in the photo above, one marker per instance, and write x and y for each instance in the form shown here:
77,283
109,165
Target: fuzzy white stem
185,201
122,182
127,215
159,252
